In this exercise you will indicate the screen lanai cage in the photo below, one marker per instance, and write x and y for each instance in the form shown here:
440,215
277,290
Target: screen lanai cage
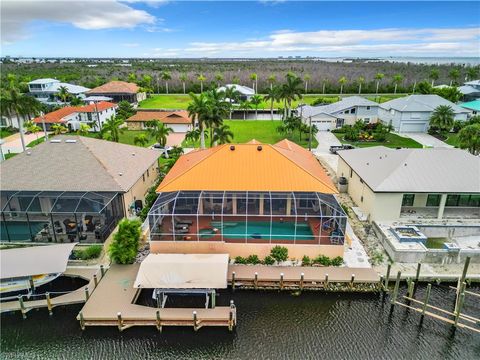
59,216
248,217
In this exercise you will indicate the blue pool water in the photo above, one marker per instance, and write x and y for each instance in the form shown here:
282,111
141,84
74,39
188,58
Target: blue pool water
19,230
261,230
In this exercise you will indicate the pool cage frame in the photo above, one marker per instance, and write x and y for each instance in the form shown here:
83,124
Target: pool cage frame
182,215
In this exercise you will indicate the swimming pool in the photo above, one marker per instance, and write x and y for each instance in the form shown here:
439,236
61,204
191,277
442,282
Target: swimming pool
261,230
19,230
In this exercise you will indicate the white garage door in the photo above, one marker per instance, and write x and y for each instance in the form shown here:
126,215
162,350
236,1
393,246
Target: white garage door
323,125
412,127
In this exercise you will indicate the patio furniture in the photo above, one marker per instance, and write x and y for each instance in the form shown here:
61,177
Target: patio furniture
183,221
89,223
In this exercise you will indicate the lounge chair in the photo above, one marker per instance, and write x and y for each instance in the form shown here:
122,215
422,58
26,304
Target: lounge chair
183,221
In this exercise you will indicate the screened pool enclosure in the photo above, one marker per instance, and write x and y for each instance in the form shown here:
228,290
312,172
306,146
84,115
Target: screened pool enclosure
56,216
248,217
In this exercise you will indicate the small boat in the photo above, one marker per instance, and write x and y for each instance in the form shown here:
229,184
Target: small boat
23,283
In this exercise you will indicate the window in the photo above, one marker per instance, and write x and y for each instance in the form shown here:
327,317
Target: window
452,200
433,199
361,198
368,107
352,111
392,111
143,176
148,173
463,200
366,120
408,199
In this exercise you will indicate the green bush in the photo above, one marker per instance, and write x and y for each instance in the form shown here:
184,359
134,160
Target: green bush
306,261
322,260
338,261
269,260
457,126
124,246
91,252
279,253
253,259
240,260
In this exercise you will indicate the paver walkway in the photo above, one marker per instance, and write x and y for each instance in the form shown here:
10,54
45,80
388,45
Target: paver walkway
426,140
13,143
322,151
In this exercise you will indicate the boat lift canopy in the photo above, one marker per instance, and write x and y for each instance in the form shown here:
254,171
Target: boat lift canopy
34,260
183,271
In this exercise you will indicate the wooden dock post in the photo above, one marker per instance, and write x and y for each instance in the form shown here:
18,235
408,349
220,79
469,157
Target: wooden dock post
214,298
461,299
102,271
302,277
22,306
255,282
380,284
465,269
417,275
231,316
82,321
427,297
32,285
87,295
120,321
411,287
352,280
195,321
460,291
325,284
49,303
159,323
395,290
95,280
387,276
281,281
233,280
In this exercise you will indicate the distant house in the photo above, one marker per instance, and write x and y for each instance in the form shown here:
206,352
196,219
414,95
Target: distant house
412,113
46,90
94,115
473,106
119,91
344,112
245,92
178,121
470,90
388,184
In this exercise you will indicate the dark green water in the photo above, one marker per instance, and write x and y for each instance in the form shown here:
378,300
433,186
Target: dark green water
271,325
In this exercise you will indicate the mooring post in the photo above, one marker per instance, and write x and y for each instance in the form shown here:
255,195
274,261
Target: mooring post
49,303
461,299
411,287
82,321
281,281
95,280
325,285
302,278
465,269
120,321
87,295
395,290
32,285
380,284
427,297
214,295
195,321
255,281
417,275
230,320
102,271
387,276
461,290
352,280
22,306
159,323
233,280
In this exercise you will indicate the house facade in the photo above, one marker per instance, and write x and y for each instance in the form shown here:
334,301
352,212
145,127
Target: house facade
244,199
412,113
394,185
470,90
178,121
46,90
119,91
344,112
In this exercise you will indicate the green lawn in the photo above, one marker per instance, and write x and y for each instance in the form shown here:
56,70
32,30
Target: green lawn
127,137
393,141
36,142
263,131
10,155
452,139
4,133
182,101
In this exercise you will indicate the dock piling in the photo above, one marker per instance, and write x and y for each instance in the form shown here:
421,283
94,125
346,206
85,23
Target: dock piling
417,275
102,271
387,276
233,280
231,316
427,297
87,295
255,281
302,277
459,308
32,285
325,285
395,290
49,303
352,280
281,281
214,298
95,280
159,323
82,321
195,321
381,283
22,306
411,288
120,321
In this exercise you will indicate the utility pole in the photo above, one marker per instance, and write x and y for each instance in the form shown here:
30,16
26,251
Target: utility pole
310,135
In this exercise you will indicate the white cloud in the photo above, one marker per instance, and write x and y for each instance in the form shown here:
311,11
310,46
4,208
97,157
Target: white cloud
16,15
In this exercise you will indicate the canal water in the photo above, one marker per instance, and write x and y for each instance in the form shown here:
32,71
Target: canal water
271,325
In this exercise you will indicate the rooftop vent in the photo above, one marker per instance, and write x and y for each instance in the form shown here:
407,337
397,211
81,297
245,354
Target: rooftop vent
120,173
55,141
133,154
259,148
232,147
70,141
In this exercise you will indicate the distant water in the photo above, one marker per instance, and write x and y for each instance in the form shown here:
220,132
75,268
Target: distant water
436,60
271,325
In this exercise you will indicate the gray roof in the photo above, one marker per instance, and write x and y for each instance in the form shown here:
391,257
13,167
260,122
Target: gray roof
434,170
467,89
244,90
420,103
44,81
85,165
345,103
473,83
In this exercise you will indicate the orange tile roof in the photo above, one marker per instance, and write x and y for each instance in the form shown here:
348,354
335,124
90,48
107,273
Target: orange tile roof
101,106
167,117
57,115
115,87
281,167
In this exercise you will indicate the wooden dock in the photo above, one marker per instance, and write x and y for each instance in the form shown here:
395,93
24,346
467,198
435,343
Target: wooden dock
113,304
75,297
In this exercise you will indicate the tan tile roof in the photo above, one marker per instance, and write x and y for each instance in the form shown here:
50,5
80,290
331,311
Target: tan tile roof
115,87
85,165
166,117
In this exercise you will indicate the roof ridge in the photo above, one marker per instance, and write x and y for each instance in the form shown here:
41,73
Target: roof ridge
409,152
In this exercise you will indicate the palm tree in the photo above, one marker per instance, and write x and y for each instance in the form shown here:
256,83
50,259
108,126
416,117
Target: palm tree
235,80
454,74
112,128
256,100
33,128
306,78
232,94
222,134
254,78
132,77
183,78
342,81
378,77
324,82
245,105
272,96
193,135
397,79
434,75
58,129
469,138
201,78
166,76
360,81
218,78
290,91
140,140
472,73
217,109
442,117
272,79
83,129
197,110
63,93
159,132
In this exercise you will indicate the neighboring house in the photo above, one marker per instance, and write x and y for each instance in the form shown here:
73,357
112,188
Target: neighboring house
473,106
412,113
470,90
178,121
73,188
245,92
119,91
388,184
46,90
344,112
244,199
94,115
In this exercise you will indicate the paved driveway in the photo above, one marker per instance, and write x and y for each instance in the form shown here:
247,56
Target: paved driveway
13,143
175,139
426,140
325,140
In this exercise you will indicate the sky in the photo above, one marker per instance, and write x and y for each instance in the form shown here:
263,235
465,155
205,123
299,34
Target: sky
183,29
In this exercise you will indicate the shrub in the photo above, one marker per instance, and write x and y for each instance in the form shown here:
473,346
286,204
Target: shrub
322,260
91,252
338,261
377,258
253,259
457,126
240,260
345,208
279,253
306,261
269,260
124,246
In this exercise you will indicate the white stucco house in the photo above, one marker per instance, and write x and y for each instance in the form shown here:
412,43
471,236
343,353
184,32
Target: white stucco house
412,113
344,112
46,90
395,184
